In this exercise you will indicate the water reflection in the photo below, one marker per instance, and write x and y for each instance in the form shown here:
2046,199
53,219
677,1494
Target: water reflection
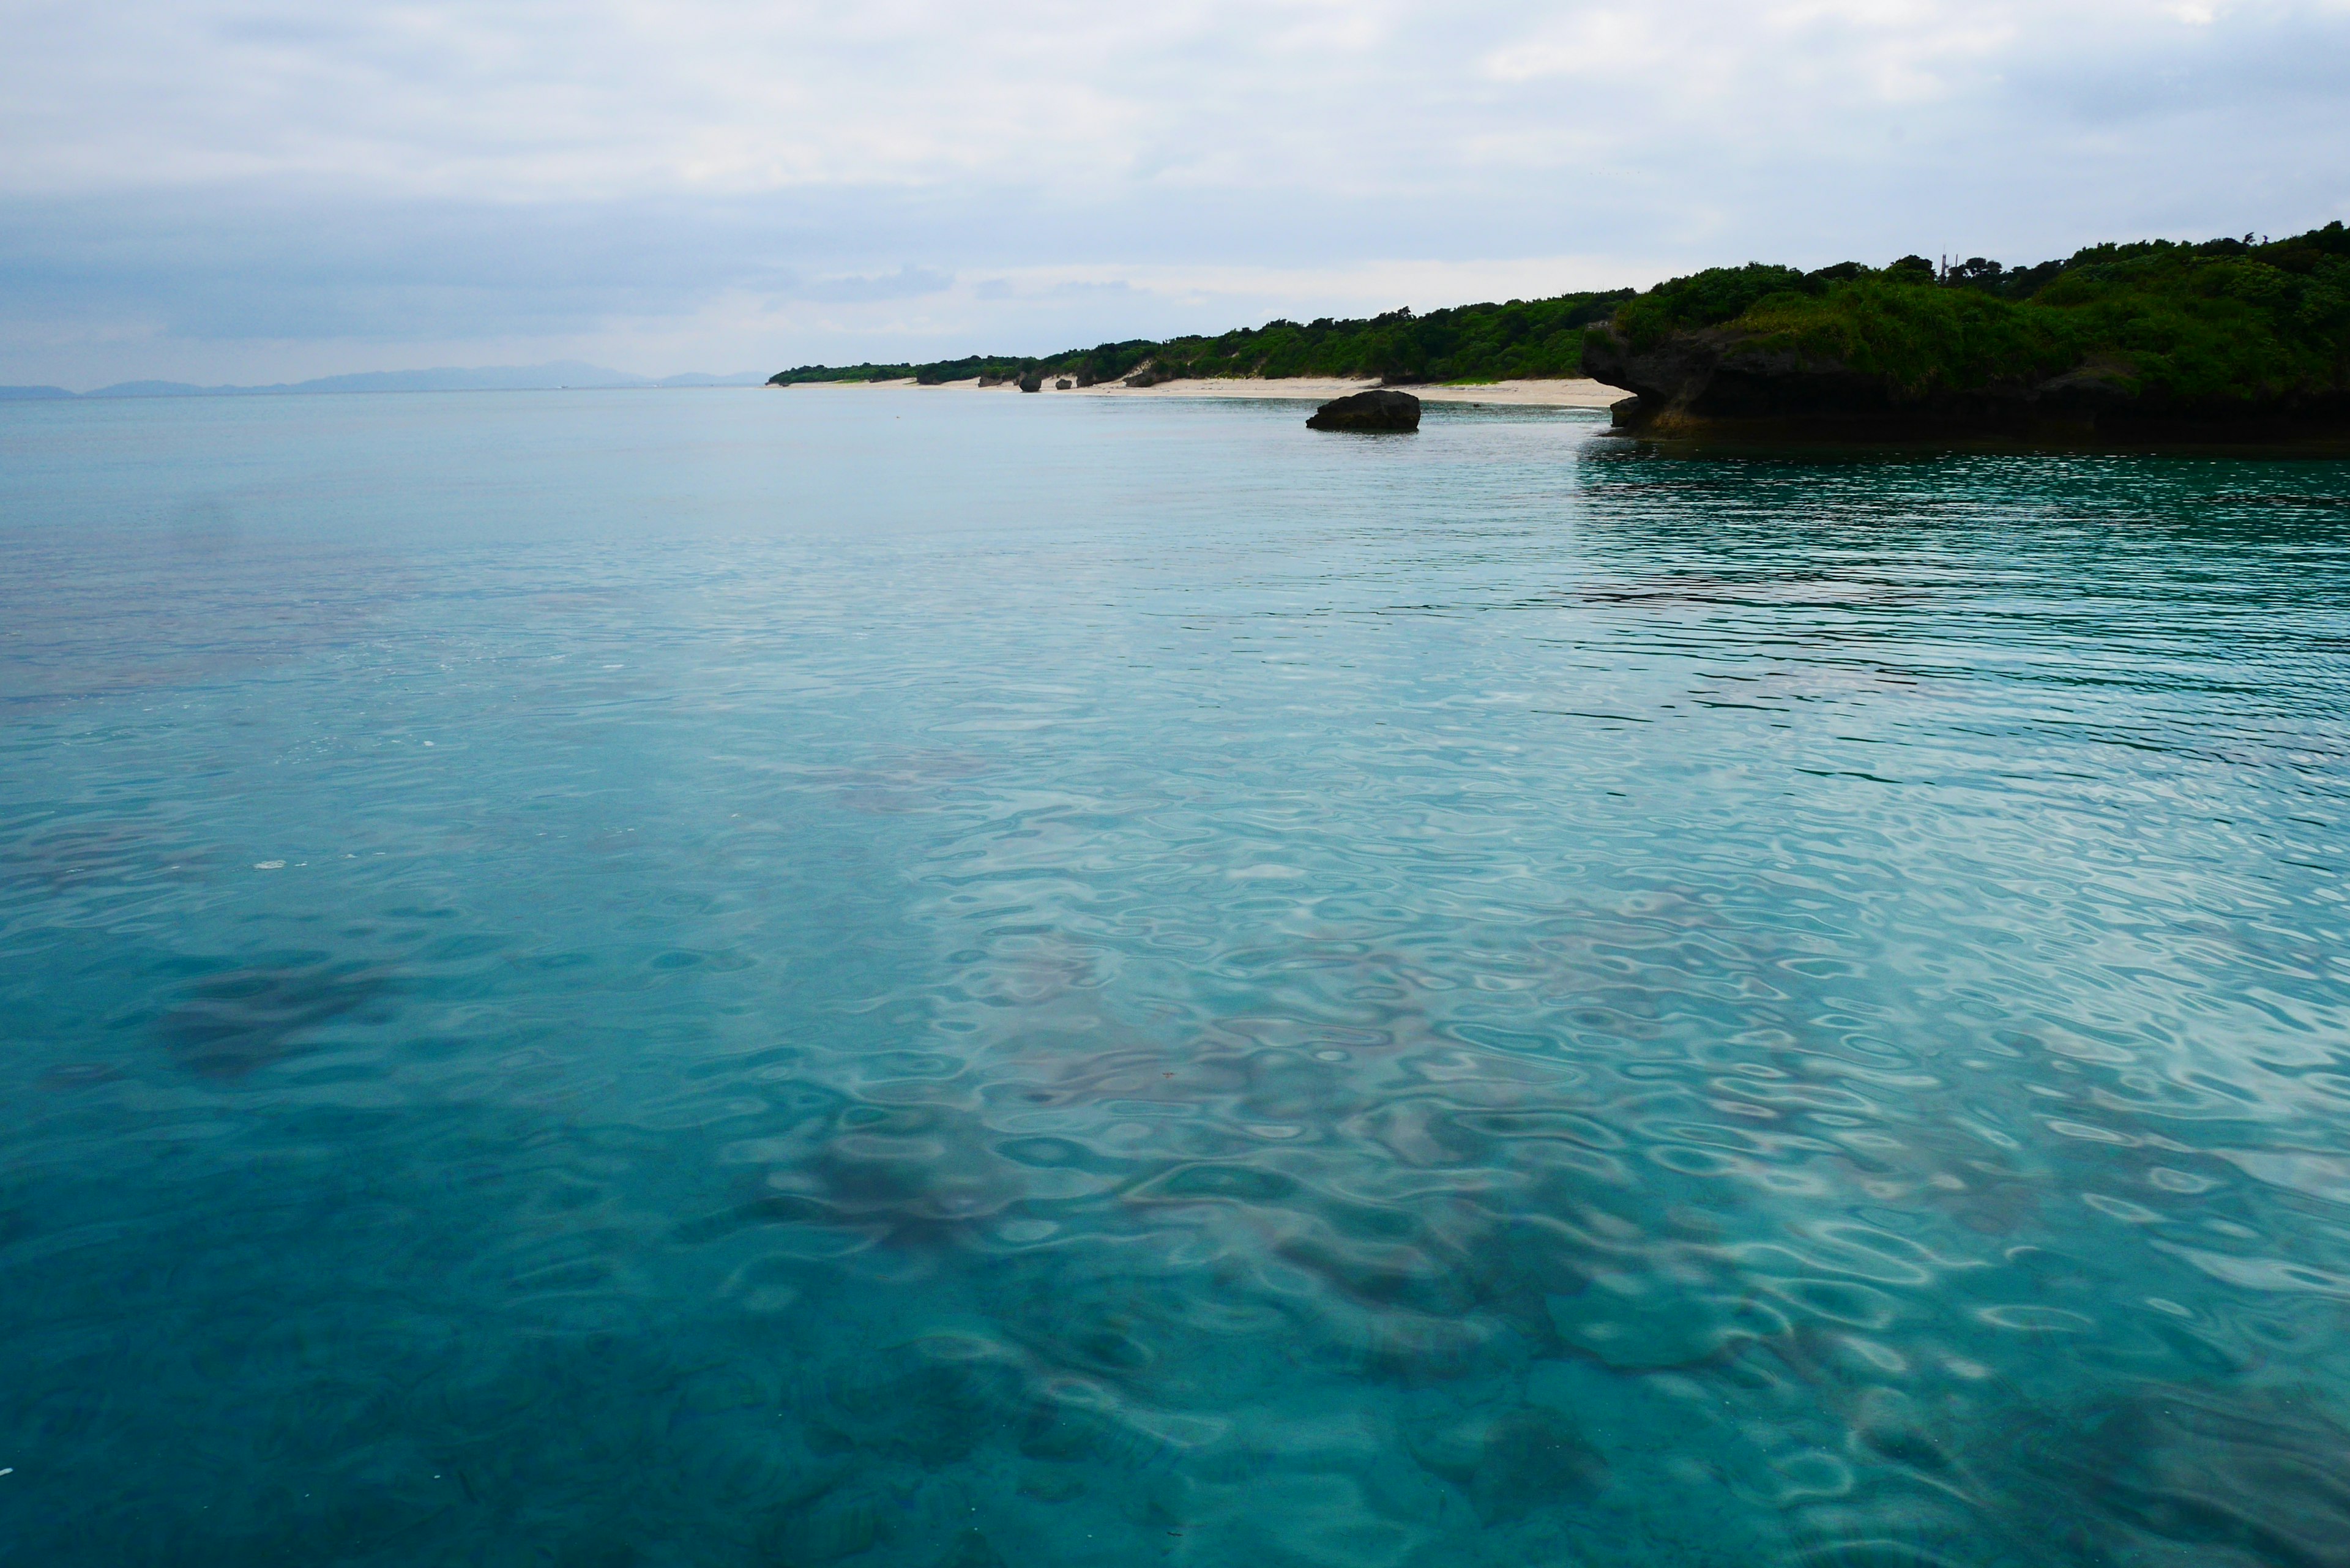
1484,1003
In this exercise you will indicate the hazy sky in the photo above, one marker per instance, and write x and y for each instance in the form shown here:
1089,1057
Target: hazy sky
256,190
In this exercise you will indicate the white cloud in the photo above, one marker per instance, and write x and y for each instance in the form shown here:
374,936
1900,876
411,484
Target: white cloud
269,172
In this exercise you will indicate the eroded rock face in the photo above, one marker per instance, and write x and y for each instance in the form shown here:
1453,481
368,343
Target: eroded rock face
1720,380
1033,382
1691,382
1380,409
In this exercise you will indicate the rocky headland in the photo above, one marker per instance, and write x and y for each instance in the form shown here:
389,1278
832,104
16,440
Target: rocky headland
2223,343
2228,342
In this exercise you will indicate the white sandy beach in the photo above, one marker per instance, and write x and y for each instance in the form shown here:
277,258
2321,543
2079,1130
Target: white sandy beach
1559,394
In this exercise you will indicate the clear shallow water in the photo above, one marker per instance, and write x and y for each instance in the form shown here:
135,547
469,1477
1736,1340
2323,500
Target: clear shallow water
898,979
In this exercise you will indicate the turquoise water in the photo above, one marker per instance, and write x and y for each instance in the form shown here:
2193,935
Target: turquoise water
893,977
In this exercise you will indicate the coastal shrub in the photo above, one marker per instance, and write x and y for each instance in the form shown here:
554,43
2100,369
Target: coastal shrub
1519,337
2223,321
1916,337
866,372
1704,299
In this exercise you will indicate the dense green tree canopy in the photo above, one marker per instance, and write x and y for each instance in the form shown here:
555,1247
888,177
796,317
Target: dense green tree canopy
1471,342
2224,321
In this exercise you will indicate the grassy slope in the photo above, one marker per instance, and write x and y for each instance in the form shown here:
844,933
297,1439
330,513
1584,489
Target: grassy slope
1472,343
2214,323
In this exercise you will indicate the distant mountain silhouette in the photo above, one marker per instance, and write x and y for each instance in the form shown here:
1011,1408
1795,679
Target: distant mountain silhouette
558,374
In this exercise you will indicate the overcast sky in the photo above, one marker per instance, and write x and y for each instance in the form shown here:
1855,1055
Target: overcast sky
259,190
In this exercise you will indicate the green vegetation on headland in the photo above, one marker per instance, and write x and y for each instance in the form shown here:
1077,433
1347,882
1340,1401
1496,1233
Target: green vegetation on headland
2226,339
1524,338
2223,339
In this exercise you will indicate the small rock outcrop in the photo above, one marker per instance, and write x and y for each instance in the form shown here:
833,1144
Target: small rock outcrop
1033,382
1063,385
1380,409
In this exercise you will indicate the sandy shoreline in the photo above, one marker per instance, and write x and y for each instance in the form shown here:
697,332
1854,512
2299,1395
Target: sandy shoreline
1578,394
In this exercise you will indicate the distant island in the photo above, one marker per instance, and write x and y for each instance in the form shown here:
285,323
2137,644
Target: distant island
560,375
2224,341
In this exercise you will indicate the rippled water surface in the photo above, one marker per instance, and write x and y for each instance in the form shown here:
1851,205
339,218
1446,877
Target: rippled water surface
908,978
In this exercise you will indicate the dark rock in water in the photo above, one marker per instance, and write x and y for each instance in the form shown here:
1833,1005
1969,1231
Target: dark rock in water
1033,382
1379,409
1063,385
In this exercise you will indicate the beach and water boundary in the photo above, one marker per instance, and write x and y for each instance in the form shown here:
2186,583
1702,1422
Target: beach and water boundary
1579,393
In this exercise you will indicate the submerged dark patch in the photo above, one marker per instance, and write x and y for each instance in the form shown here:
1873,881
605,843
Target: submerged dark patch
2245,1478
235,1023
1455,1005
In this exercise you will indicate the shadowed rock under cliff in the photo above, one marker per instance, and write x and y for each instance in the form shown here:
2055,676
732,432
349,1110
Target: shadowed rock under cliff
1723,381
